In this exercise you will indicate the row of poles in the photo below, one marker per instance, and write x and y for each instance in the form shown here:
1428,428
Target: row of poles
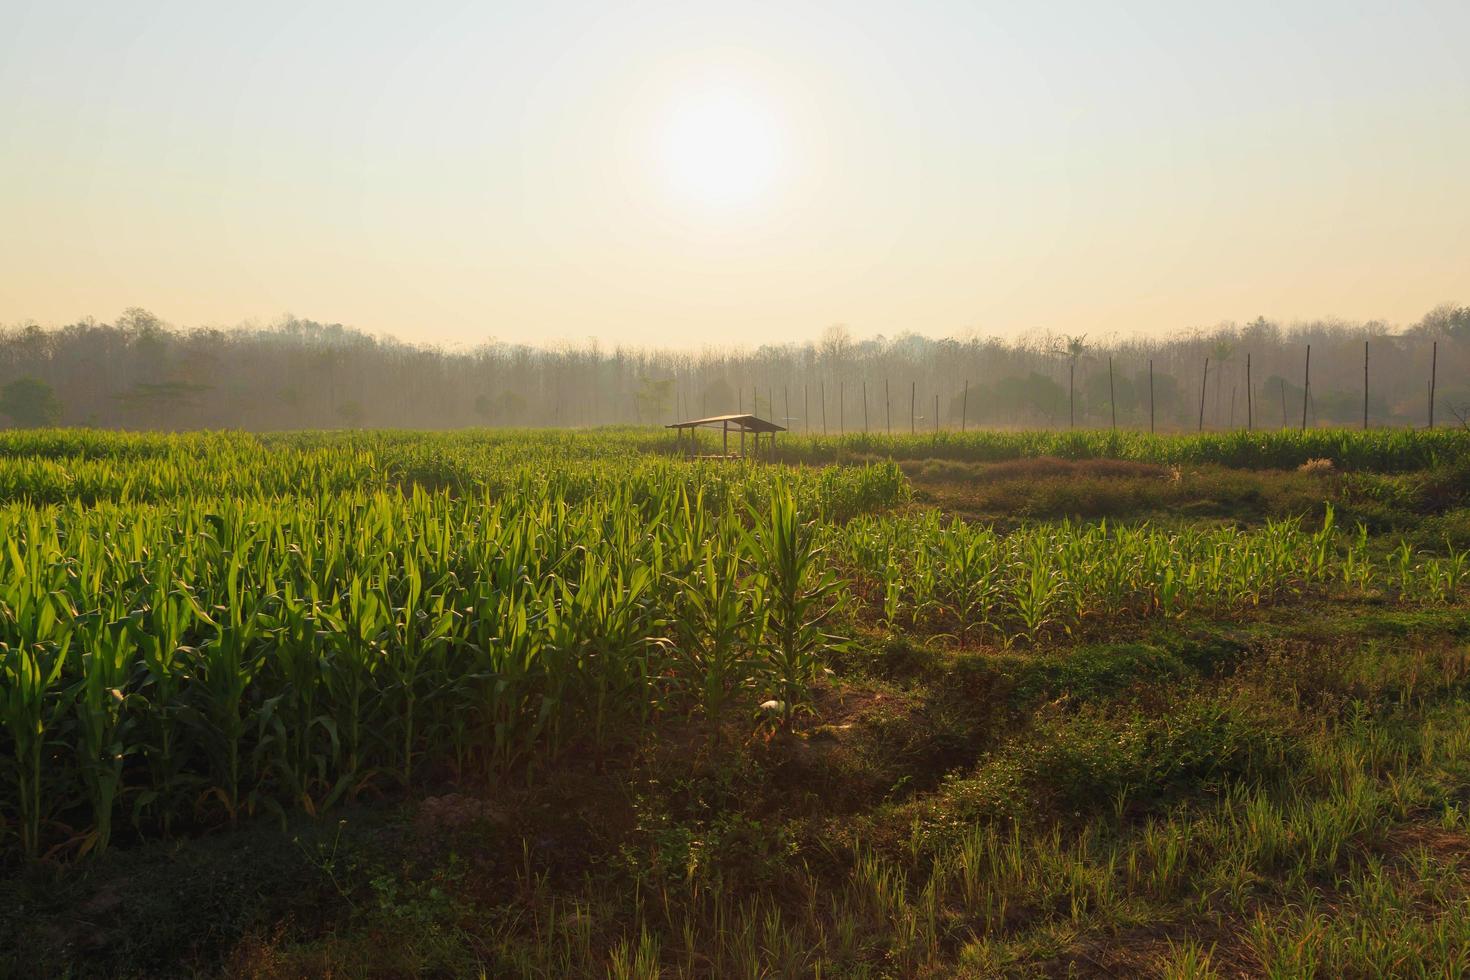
1071,397
1306,389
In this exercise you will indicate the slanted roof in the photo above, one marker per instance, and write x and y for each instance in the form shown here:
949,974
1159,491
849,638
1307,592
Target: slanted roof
746,423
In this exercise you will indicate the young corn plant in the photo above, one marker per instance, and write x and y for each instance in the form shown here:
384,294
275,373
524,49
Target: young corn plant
794,596
226,664
102,721
29,674
716,618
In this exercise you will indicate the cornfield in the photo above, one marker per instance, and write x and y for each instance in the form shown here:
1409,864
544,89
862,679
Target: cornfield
198,628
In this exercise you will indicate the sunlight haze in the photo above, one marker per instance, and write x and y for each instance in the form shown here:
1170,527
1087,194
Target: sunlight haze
696,173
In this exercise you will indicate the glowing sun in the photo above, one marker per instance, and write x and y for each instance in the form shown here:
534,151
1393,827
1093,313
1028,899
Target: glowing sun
720,148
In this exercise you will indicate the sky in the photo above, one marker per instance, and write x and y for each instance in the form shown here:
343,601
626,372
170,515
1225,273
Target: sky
689,174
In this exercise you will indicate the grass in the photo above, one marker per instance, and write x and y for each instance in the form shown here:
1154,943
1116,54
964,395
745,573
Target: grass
1263,772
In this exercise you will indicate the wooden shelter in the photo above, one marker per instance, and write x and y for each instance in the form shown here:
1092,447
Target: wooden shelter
726,424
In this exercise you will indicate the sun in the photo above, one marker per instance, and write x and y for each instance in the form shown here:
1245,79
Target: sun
720,148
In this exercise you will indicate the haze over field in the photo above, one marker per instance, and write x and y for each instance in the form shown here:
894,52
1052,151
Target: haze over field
676,175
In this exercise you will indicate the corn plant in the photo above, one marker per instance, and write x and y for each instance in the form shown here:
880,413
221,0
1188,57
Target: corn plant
714,624
793,594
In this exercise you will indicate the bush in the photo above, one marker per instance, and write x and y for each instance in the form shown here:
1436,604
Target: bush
1087,761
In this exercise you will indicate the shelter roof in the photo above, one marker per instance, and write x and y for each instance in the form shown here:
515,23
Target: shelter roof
747,423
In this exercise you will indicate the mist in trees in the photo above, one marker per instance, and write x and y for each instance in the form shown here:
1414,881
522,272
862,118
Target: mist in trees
138,372
30,403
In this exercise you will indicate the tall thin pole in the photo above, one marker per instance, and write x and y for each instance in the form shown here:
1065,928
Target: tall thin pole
1112,398
887,407
1150,395
1232,405
1433,368
755,401
1071,395
786,396
1306,386
865,406
841,407
806,406
965,406
1204,380
1365,384
1283,403
936,419
1250,418
824,407
913,396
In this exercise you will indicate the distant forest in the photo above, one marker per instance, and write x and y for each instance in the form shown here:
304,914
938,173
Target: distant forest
140,373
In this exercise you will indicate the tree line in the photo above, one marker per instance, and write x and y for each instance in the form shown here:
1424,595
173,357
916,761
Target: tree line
139,373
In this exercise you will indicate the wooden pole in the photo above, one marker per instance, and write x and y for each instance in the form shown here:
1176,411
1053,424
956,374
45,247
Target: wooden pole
1283,403
806,406
1433,369
1306,386
1150,395
823,393
913,395
726,450
936,420
1232,405
887,407
965,406
841,408
1112,398
865,406
1071,395
786,396
1203,381
1250,418
1365,385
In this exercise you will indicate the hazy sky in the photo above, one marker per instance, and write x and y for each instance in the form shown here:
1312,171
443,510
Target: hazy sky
682,173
